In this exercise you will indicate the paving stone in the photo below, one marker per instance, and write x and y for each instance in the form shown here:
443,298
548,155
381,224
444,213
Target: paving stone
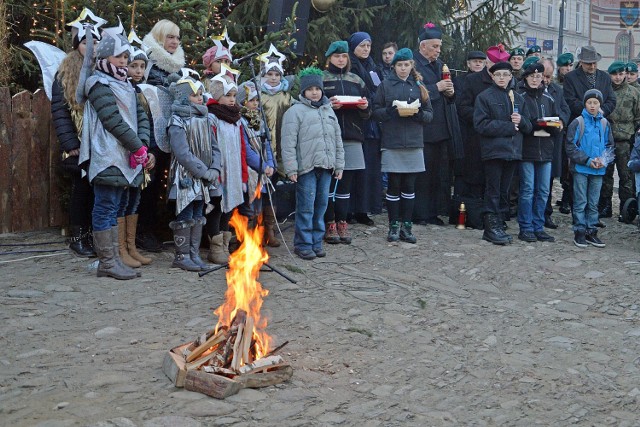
24,293
172,421
208,408
105,332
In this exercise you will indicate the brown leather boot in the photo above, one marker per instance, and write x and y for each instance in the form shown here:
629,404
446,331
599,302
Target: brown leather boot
226,238
269,217
122,245
132,225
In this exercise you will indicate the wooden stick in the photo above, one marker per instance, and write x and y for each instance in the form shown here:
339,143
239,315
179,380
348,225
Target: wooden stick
217,338
277,348
235,362
246,340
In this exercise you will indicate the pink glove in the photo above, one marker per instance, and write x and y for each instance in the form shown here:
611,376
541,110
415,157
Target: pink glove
138,158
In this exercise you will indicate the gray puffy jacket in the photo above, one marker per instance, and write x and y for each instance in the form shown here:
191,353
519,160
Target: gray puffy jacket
311,138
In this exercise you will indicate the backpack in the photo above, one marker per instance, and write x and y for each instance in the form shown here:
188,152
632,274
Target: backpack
603,122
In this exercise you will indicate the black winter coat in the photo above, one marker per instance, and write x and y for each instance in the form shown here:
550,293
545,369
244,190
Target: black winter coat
437,130
158,77
474,84
492,120
400,132
65,127
576,84
539,104
341,82
556,92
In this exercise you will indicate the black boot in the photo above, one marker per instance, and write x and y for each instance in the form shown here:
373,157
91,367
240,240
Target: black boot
78,243
565,203
405,233
182,242
605,209
493,230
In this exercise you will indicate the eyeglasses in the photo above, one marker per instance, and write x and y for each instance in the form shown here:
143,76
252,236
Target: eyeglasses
502,75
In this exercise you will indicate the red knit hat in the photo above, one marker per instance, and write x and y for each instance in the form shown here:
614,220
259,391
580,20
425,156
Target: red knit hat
497,54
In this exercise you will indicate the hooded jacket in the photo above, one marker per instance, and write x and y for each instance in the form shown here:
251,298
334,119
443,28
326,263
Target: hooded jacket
311,138
595,140
499,138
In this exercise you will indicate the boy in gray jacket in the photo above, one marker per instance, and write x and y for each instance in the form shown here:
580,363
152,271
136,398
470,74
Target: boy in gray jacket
311,151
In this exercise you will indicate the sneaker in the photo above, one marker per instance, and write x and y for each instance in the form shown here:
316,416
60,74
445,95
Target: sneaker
593,240
320,253
542,236
307,254
579,239
405,233
394,232
344,236
527,236
331,234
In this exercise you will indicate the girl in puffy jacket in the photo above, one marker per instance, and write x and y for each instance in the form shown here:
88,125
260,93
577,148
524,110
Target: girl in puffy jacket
312,151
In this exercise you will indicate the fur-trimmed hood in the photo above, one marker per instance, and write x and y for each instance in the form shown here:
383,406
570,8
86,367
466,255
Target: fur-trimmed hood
171,63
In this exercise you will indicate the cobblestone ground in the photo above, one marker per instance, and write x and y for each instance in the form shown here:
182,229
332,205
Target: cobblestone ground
450,331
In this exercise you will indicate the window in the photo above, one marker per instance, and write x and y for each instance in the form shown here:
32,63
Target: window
550,15
623,47
565,24
578,17
534,10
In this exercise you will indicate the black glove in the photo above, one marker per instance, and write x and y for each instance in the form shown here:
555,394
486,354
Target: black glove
392,111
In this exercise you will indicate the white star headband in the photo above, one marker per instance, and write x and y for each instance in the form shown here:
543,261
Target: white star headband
120,42
188,72
85,19
272,59
139,47
195,84
226,71
223,50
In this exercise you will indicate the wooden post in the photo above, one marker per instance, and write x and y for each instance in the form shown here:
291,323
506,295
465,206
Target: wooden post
21,179
6,126
39,161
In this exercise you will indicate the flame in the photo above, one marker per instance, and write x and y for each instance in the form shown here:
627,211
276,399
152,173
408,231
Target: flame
244,292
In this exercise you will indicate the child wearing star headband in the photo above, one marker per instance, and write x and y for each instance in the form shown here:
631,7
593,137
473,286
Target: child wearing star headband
195,167
259,155
234,175
66,113
115,135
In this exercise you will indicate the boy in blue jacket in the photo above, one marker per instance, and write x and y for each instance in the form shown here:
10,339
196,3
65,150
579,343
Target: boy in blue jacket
588,136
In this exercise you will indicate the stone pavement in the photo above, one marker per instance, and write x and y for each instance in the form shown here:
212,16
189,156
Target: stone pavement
450,331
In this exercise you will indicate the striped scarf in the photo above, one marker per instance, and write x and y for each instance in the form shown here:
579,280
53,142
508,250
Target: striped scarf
106,67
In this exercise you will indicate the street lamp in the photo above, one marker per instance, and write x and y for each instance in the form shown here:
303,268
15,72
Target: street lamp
561,30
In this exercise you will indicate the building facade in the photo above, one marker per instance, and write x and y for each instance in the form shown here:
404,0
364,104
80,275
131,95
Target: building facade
614,29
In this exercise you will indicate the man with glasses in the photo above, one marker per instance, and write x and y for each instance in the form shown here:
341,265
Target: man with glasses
576,83
501,118
624,119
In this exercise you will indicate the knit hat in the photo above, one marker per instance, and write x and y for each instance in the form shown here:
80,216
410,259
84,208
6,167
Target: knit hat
592,93
429,31
137,48
113,42
221,84
183,88
617,67
357,38
632,67
497,54
533,67
476,54
500,66
534,49
310,77
339,46
530,60
564,59
219,50
246,92
403,54
79,27
516,51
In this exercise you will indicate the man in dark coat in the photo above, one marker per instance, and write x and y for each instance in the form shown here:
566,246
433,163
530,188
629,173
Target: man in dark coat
556,92
473,174
433,187
586,77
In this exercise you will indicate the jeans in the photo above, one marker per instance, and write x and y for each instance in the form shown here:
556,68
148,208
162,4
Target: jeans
586,192
105,206
498,174
535,178
129,202
193,210
312,196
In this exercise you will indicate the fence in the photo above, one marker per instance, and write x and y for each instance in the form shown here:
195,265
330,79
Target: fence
29,159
